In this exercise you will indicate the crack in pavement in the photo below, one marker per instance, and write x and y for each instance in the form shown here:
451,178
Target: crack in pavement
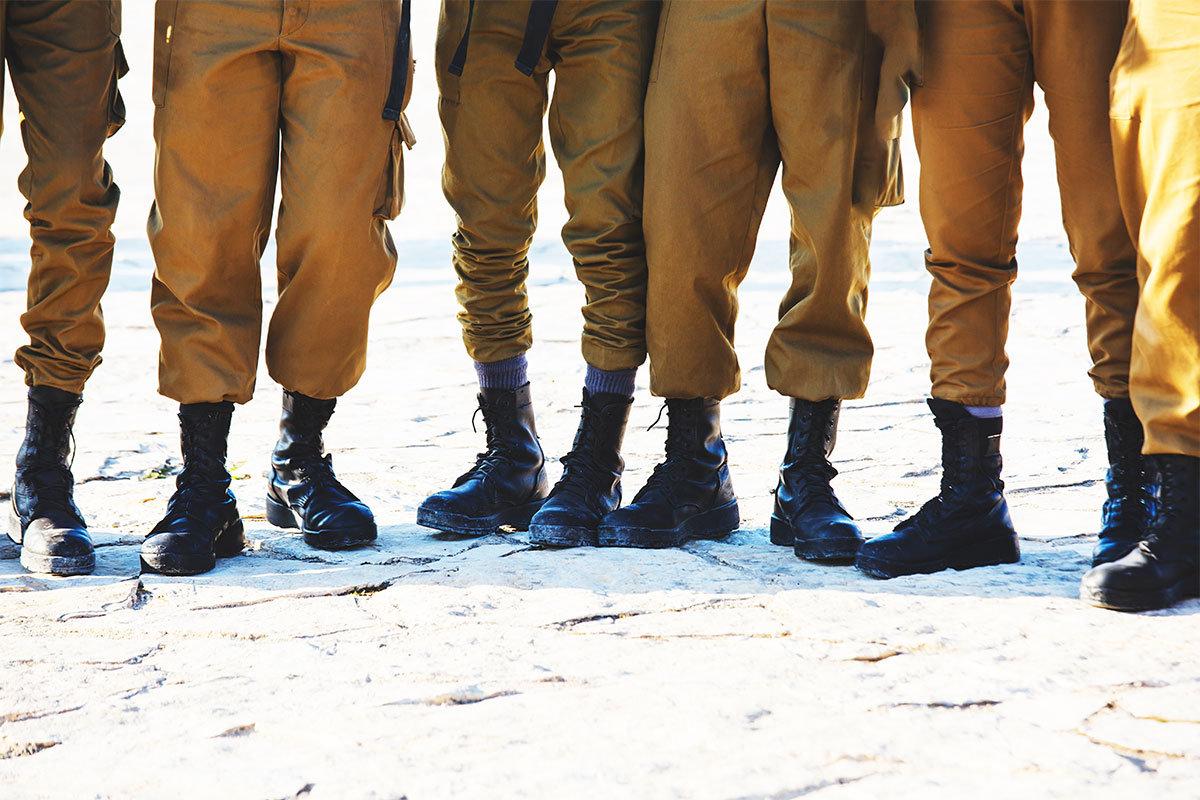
22,749
25,716
732,602
789,794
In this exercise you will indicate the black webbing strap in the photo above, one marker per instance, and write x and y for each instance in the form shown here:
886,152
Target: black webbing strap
460,54
395,99
537,28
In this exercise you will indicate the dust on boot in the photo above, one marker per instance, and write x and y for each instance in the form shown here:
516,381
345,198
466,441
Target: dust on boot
1164,568
303,491
508,483
202,521
590,486
44,519
967,524
690,494
808,516
1130,505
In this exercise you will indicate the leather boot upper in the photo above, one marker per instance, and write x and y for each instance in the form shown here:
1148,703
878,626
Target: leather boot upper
1130,505
510,472
590,486
692,479
43,490
302,476
804,498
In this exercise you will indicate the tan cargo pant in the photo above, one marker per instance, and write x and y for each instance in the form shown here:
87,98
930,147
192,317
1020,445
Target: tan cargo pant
981,59
65,58
1156,141
736,88
491,116
248,91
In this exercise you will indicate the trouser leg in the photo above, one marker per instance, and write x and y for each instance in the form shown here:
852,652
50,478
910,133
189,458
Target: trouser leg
968,118
602,54
1074,46
820,348
1155,118
495,161
709,170
216,131
335,253
64,58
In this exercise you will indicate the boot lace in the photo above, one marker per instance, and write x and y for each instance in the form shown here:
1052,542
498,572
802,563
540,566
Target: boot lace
495,455
669,472
954,470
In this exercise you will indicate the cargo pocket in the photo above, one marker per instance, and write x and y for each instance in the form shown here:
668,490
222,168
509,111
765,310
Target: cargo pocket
116,104
114,17
391,191
656,60
164,34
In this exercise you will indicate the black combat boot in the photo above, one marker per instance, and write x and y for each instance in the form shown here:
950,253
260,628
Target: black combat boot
202,521
590,486
689,495
1164,568
44,519
808,516
508,483
967,524
1130,504
303,492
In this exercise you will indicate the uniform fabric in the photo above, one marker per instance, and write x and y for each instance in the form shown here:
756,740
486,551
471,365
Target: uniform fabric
64,59
981,59
495,161
736,89
1156,142
247,91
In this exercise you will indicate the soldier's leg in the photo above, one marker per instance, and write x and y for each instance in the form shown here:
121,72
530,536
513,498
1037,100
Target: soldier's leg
1155,119
1074,47
335,253
968,118
491,118
216,129
64,59
602,55
820,351
709,168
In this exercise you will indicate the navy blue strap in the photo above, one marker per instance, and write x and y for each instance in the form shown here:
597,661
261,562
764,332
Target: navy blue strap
537,28
395,99
460,54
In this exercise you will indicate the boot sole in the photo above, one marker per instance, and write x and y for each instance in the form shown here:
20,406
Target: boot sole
517,518
988,553
1118,600
44,563
282,516
814,550
715,523
229,543
562,536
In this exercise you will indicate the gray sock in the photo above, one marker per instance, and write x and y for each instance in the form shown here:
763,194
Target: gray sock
509,373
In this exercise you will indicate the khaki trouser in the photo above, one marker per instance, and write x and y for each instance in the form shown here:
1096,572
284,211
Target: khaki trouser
247,91
1156,140
495,160
736,88
65,58
981,59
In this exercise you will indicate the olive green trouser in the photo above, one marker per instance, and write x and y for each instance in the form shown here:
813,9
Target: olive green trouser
736,88
248,91
491,116
1156,141
65,58
981,59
